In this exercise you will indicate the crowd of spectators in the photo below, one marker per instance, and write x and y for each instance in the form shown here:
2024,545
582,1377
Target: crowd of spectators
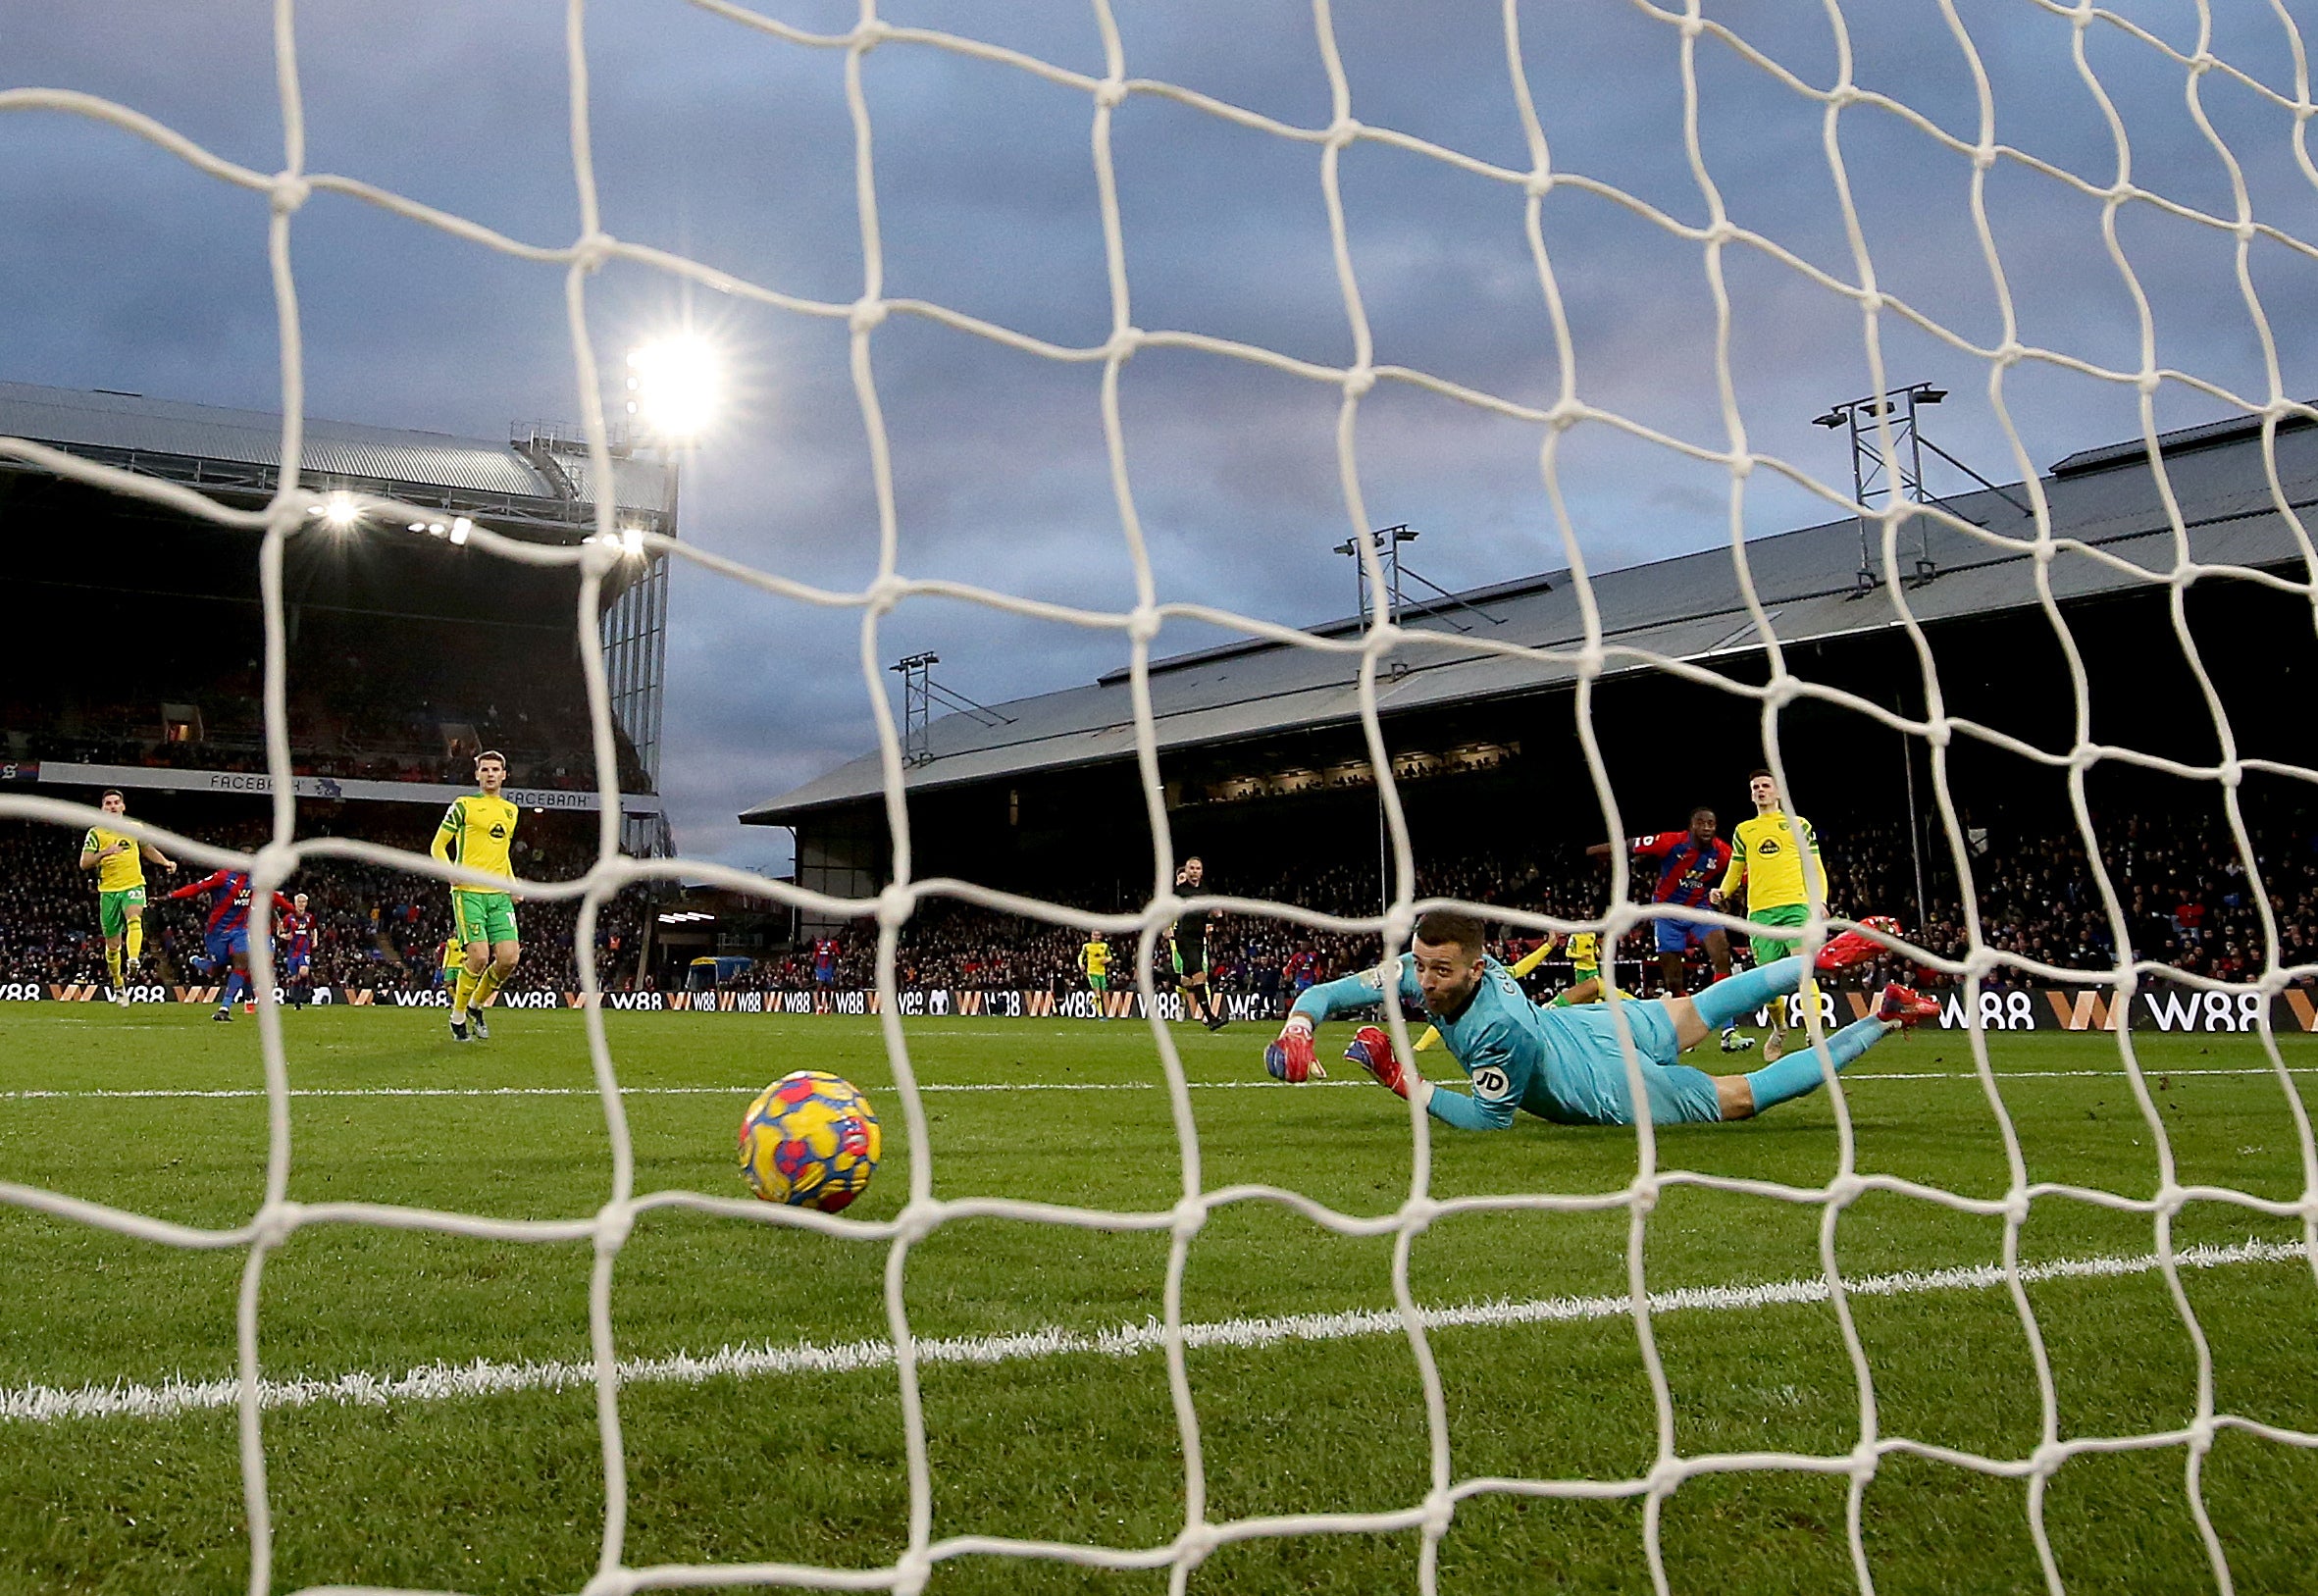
2182,886
2185,892
387,702
375,927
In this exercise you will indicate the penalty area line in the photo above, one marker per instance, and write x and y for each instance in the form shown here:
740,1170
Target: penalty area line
435,1382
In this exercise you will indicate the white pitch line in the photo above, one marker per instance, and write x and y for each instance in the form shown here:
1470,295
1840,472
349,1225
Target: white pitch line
435,1382
1851,1079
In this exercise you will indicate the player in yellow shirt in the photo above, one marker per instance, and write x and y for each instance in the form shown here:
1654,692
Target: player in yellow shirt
454,952
478,831
1094,960
1783,886
119,861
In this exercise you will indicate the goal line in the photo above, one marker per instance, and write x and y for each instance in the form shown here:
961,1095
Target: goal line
442,1382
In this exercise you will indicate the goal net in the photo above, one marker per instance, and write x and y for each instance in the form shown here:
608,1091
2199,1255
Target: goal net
2036,260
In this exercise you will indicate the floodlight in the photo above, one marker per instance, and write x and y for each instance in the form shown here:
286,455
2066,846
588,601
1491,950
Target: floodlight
418,525
676,386
459,528
341,511
632,540
437,528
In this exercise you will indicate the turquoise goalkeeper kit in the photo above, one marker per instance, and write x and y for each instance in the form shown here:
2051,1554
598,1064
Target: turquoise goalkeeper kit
1561,1064
1566,1064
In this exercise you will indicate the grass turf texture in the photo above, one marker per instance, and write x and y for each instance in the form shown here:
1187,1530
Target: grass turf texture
503,1493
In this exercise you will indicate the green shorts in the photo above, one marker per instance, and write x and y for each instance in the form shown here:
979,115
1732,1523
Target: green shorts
1768,949
1580,975
112,910
1099,983
484,917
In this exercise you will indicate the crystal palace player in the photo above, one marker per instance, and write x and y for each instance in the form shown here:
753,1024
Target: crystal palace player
479,832
228,931
296,930
1689,865
119,861
1566,1064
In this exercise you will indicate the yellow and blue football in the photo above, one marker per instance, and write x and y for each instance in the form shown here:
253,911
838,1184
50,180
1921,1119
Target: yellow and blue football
809,1139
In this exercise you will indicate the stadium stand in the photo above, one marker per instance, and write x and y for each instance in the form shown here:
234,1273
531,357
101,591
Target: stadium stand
1266,777
404,658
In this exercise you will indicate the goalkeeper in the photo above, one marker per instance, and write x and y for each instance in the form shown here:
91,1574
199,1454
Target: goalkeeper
1566,1064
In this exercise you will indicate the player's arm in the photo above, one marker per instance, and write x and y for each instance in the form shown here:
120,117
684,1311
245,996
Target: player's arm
155,855
446,835
1815,870
1733,877
1488,1107
216,878
91,855
1289,1058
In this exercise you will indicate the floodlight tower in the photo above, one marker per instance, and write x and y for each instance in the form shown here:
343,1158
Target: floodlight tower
922,695
917,706
1398,575
1878,475
675,393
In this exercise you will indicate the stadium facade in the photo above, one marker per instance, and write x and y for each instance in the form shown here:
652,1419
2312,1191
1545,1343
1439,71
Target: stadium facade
1263,761
407,650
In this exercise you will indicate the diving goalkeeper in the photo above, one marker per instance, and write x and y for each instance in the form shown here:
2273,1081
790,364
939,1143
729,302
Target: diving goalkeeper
1564,1064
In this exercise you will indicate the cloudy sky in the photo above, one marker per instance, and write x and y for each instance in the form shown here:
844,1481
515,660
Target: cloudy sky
127,269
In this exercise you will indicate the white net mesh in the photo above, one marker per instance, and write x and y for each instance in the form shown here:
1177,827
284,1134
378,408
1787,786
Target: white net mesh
2277,79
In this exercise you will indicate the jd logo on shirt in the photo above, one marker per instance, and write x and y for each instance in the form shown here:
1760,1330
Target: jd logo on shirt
1489,1081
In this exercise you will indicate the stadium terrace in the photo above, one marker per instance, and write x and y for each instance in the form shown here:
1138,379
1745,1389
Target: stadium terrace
388,629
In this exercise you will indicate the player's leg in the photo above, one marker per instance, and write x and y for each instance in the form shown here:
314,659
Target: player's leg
232,953
1799,1074
1717,954
1724,1001
1210,1003
1770,950
132,932
1588,990
468,927
499,928
113,921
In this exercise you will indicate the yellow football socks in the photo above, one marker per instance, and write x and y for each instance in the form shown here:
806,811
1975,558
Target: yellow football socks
463,993
136,939
112,964
485,985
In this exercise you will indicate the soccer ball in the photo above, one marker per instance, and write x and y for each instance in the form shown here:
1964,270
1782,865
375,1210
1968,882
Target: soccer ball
809,1139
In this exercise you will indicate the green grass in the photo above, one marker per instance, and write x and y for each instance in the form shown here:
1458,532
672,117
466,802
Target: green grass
505,1493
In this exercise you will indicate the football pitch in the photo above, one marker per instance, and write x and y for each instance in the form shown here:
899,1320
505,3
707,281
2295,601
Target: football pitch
433,1422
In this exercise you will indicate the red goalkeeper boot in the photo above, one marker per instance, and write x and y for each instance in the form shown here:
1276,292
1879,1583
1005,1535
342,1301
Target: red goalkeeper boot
1903,1006
1848,947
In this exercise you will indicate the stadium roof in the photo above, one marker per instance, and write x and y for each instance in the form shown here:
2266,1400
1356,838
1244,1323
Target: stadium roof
1686,607
541,480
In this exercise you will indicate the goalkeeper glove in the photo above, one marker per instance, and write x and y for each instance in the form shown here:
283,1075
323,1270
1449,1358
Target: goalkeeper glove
1290,1057
1372,1049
